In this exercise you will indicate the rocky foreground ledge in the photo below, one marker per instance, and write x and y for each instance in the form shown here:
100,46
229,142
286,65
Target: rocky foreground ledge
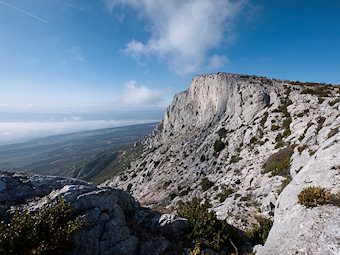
115,223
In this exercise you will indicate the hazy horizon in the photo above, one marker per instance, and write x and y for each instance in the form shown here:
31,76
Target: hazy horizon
22,127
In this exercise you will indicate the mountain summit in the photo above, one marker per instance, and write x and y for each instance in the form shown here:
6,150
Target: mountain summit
249,145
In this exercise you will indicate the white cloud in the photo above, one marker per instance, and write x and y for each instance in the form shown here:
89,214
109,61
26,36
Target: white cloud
217,61
142,95
11,132
182,31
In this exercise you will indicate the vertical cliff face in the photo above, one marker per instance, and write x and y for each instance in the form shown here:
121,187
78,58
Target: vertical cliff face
238,141
211,97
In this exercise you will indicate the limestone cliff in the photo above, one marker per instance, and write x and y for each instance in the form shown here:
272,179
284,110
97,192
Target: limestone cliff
216,140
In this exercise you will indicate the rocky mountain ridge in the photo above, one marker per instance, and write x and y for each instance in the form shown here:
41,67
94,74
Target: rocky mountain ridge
249,145
114,223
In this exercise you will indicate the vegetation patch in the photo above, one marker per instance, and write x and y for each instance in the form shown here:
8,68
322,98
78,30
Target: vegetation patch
314,196
264,119
279,163
284,183
224,194
320,121
205,229
274,128
128,188
202,158
206,184
302,148
333,102
218,145
259,233
333,132
166,184
49,231
278,140
286,124
185,192
253,140
235,159
222,132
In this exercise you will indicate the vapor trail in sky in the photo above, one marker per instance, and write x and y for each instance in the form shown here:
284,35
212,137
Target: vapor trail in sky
23,11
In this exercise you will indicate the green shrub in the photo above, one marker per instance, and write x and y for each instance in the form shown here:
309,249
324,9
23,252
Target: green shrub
49,231
335,199
224,194
173,196
286,124
302,148
279,163
333,132
166,184
313,196
185,192
205,228
218,145
274,128
332,103
278,140
222,132
264,119
235,159
128,188
202,158
206,184
316,90
260,231
253,140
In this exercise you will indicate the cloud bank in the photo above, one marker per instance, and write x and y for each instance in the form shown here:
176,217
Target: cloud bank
182,32
12,132
142,95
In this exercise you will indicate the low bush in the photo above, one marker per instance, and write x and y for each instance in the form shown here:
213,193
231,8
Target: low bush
205,229
235,159
259,233
286,124
218,145
314,196
278,140
253,140
222,132
279,163
206,184
264,119
274,128
202,158
333,132
302,148
49,231
128,188
224,194
332,103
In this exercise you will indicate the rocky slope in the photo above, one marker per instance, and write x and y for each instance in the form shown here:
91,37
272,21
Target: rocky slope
114,222
250,145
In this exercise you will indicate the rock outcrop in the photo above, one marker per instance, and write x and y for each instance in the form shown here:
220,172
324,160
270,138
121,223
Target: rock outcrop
223,131
114,223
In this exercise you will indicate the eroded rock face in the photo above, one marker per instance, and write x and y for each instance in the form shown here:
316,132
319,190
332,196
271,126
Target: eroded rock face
114,222
301,230
255,118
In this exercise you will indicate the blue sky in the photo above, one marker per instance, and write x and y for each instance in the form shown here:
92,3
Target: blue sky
77,61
